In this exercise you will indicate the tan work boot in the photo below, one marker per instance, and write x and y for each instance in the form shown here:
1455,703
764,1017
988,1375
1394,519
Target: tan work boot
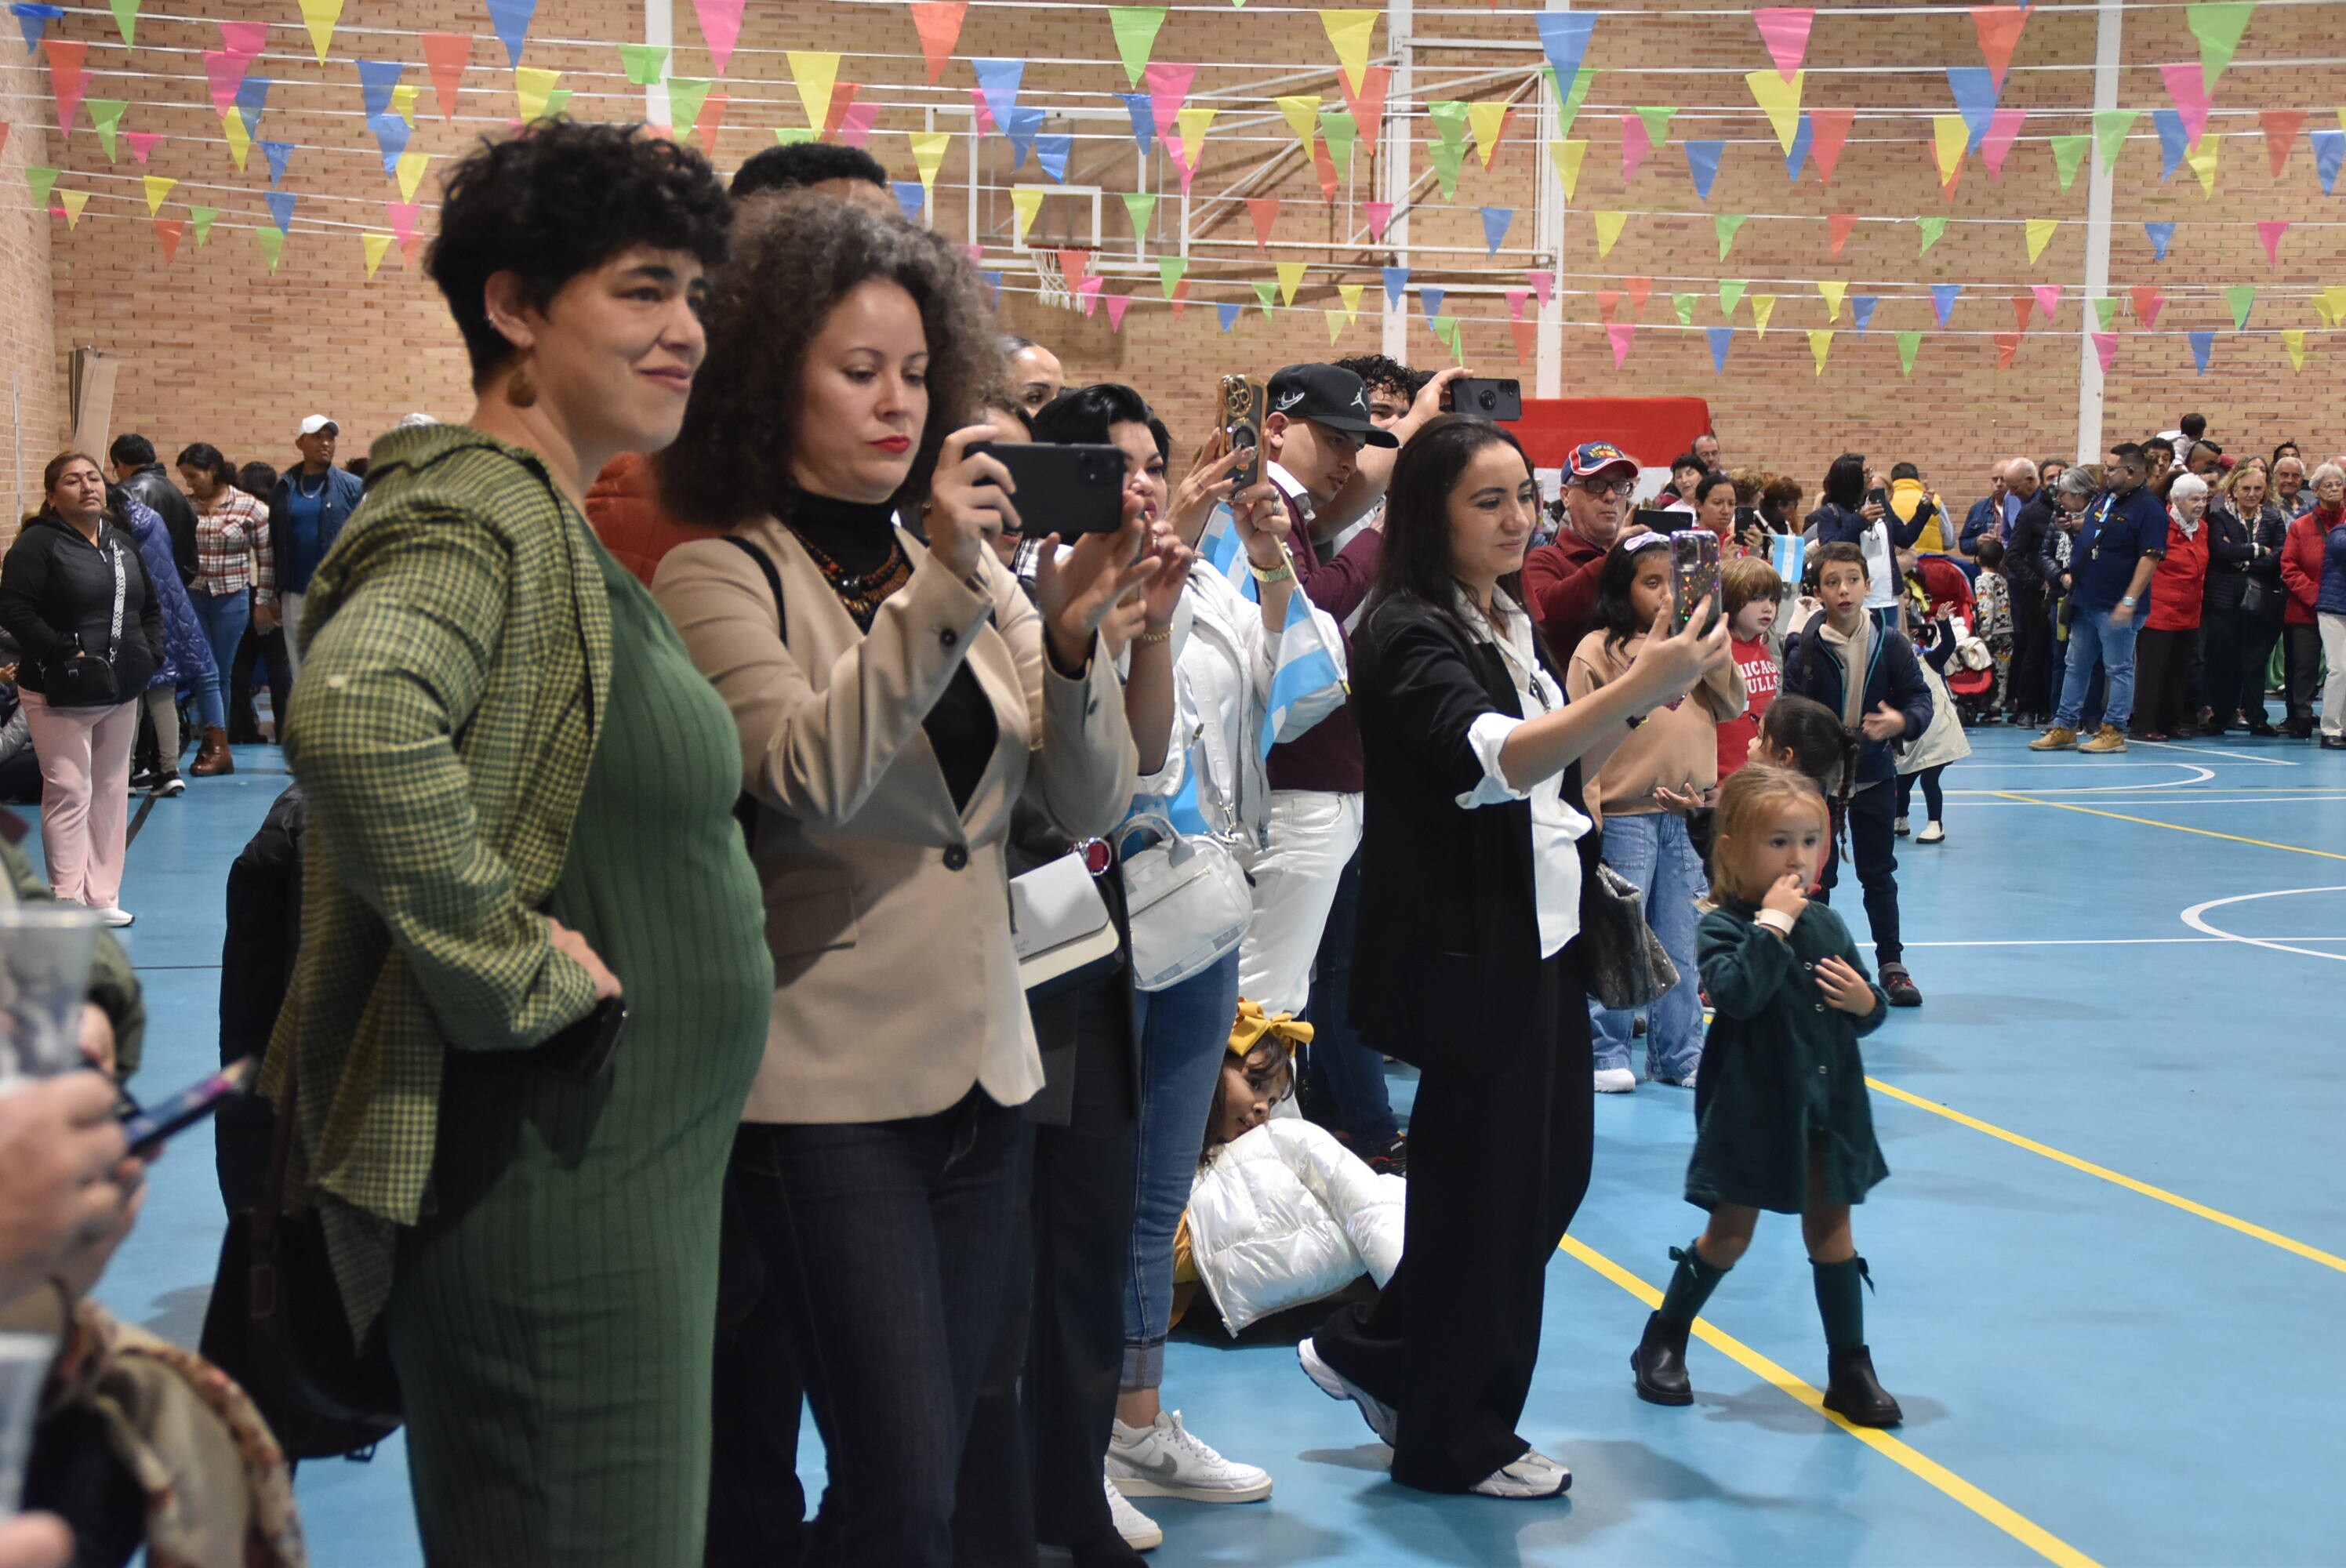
2111,739
2055,739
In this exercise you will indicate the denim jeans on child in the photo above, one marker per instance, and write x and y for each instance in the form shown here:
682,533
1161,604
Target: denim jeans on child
1653,852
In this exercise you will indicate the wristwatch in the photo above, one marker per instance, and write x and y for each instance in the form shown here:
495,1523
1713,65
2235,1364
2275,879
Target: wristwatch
2127,601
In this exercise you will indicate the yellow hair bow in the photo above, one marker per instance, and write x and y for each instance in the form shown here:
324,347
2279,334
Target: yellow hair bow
1253,1024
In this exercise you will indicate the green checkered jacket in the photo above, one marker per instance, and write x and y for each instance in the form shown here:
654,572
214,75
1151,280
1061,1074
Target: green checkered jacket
456,653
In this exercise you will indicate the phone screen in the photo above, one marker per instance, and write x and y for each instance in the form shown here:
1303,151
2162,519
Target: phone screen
146,1130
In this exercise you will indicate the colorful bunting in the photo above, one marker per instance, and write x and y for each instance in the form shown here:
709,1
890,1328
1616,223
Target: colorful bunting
2048,298
1563,36
2147,303
1860,310
2022,305
1703,163
447,53
2007,345
1802,138
1144,120
141,142
2040,234
2293,340
1639,288
929,150
106,118
31,19
2270,231
1396,282
2329,152
1762,306
1839,227
644,63
1943,300
1338,131
1449,158
532,85
1301,112
2202,160
1569,103
1608,230
2217,27
1974,95
1833,292
2069,152
240,140
720,26
126,20
2110,129
73,202
1620,333
1194,123
2106,312
1290,277
1352,34
1168,272
1380,214
1785,30
66,78
1832,130
1568,156
2174,141
1140,207
319,17
1819,345
2105,348
1949,138
2241,298
168,232
1721,338
1367,102
280,208
2187,88
1730,294
511,19
1429,300
374,243
1073,265
815,73
1229,315
1264,210
1998,27
2203,344
2280,126
272,245
410,174
910,196
1168,89
157,187
1488,121
1778,99
1135,28
2161,236
279,154
1025,201
1052,152
1725,226
1351,294
1265,292
2003,131
1496,220
201,218
1931,228
1683,304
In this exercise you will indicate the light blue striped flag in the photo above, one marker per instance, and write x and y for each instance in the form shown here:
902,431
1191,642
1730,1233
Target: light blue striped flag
1305,667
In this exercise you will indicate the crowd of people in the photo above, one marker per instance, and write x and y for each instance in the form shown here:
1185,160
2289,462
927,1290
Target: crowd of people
780,928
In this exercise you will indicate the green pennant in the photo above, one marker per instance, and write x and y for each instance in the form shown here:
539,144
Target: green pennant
1730,294
2069,152
1449,122
1135,35
1581,82
2105,312
2240,297
1658,124
42,181
2110,127
1264,294
643,62
1725,225
1141,205
2217,27
1932,227
273,242
790,135
557,103
685,97
201,216
1448,158
1908,343
125,19
106,113
1168,272
1684,305
1445,332
1340,131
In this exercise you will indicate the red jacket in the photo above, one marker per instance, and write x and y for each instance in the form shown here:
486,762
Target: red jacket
2301,563
1560,581
2180,582
624,510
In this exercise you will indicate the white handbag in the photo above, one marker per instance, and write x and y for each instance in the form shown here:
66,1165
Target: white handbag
1188,903
1059,924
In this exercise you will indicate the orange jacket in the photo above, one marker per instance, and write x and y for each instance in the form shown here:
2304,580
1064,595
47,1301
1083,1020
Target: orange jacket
624,510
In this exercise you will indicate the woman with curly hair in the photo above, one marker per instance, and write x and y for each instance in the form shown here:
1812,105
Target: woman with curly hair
894,698
520,796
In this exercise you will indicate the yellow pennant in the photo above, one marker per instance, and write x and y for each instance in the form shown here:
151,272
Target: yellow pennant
1290,277
1352,33
1025,201
532,85
1608,230
1819,345
75,200
2332,304
1302,116
240,140
319,17
1780,100
157,187
929,154
1194,123
1335,324
1568,156
1351,294
2202,160
815,72
2293,339
375,245
411,166
1762,306
1832,293
1486,120
1949,136
403,103
2040,234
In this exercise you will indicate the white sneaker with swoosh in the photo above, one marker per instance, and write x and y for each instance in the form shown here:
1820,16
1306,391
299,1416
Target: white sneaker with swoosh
1164,1459
1533,1475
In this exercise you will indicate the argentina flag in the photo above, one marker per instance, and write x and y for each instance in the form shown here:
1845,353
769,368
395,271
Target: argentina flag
1306,661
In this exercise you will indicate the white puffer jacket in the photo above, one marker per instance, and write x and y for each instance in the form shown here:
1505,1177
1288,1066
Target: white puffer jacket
1286,1214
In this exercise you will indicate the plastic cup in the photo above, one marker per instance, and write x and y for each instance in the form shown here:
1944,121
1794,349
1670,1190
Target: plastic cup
46,951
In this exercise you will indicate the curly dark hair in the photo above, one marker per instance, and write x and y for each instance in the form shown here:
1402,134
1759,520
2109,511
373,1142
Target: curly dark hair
1377,371
796,256
806,163
560,199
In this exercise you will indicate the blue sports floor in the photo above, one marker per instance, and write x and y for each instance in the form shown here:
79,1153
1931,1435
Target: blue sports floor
2111,1255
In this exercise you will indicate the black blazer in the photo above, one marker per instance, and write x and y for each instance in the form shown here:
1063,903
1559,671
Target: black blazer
1446,961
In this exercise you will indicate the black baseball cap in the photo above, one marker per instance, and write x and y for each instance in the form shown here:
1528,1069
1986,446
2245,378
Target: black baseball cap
1329,395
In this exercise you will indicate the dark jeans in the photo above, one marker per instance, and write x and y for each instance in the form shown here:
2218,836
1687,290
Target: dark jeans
1873,843
1498,1162
2303,646
888,1242
2228,635
2162,687
1934,802
2030,690
1352,1075
756,1507
256,645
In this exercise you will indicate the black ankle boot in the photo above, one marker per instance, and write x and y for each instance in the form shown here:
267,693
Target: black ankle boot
1659,1362
1855,1394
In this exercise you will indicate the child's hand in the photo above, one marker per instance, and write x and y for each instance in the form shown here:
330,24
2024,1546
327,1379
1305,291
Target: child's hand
1844,988
1788,897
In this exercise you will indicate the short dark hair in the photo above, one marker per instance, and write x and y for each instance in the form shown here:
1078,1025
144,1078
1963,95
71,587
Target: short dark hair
806,163
131,450
1845,481
2288,448
1688,459
1709,482
2132,452
1841,552
1083,415
204,456
1988,551
2194,425
560,199
256,479
1378,371
2142,448
1904,471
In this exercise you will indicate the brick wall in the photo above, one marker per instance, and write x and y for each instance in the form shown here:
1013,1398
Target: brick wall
225,352
28,343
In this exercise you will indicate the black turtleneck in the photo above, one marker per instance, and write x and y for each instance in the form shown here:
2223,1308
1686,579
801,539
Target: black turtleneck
960,725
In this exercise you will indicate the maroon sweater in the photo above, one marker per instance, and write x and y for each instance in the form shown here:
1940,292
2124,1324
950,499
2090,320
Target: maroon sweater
1327,757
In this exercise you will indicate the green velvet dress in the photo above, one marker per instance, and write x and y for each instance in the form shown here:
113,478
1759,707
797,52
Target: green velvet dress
552,1318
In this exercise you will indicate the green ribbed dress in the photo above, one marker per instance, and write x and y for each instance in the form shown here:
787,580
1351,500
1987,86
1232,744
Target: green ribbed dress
552,1318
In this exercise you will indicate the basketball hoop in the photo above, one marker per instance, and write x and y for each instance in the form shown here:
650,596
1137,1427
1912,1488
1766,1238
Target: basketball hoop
1051,273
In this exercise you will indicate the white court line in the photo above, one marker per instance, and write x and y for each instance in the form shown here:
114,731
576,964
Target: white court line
2201,775
2261,760
2180,798
2196,917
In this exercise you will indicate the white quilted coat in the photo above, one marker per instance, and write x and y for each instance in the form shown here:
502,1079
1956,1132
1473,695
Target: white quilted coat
1286,1214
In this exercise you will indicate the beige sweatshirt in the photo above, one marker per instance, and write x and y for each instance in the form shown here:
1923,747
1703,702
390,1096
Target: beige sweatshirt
1677,745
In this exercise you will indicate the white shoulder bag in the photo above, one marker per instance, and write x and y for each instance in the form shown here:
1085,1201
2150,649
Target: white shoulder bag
1188,901
1059,925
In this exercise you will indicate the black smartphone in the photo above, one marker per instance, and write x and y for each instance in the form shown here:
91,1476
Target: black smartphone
1501,401
1064,489
1694,577
1242,403
583,1053
1657,519
148,1130
1880,498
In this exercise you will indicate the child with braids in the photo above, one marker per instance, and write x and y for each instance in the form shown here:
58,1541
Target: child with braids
1782,1117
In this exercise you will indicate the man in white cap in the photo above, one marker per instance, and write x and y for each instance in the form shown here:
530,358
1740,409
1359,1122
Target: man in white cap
306,514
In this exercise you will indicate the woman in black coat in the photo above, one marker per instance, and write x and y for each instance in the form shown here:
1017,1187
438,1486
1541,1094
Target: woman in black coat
74,597
1472,868
2032,624
2245,531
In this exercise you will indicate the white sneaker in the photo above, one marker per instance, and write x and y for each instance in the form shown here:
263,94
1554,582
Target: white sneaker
1898,827
1336,1386
1932,834
1139,1532
1166,1459
1614,1080
115,919
1533,1475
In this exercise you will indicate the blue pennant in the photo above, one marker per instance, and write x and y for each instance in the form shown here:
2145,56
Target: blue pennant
1943,298
1496,221
2329,150
1702,162
1430,300
1229,315
391,134
1861,305
1564,36
2203,344
992,281
2174,141
909,195
1051,153
998,80
1720,337
376,80
280,206
1974,90
34,20
2161,235
1021,127
1144,119
1801,140
279,152
511,18
1397,280
251,99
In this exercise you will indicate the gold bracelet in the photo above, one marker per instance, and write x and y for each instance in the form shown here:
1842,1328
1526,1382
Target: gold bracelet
1164,636
1284,571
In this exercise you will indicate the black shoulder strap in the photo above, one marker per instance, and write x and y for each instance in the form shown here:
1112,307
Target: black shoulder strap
773,581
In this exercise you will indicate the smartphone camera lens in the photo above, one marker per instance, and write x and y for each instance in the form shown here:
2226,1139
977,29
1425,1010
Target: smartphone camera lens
1488,397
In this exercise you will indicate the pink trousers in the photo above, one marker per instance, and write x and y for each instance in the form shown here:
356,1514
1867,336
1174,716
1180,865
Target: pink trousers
85,756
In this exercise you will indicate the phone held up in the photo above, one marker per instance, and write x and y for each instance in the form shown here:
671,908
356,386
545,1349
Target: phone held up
1064,489
1242,404
1500,401
1694,577
146,1130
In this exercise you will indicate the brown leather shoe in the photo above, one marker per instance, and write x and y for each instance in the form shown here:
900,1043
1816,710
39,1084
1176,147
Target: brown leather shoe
212,758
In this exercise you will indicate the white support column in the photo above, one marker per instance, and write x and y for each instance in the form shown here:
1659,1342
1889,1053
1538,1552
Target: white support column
1549,239
2108,21
1393,168
659,30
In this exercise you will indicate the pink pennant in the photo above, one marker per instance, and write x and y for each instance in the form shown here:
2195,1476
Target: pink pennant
1635,145
2105,348
1089,294
226,72
1543,282
1116,306
1516,298
985,124
1638,289
1368,105
976,254
2187,85
855,125
2148,303
2270,231
243,39
1264,210
720,24
2003,131
1074,267
1169,88
1999,31
2048,298
66,78
1621,332
842,98
1380,214
1785,30
402,226
1828,128
142,143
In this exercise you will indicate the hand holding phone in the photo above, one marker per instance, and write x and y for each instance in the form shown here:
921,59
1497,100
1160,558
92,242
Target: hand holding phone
1694,575
1241,422
146,1131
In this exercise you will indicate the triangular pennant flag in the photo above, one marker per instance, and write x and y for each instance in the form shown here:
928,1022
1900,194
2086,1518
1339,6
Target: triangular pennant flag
238,140
1703,163
1265,292
1638,289
1621,332
1908,343
557,103
644,63
815,74
2270,231
1264,210
1657,121
272,245
1430,300
2293,340
532,85
2329,152
1144,120
2069,152
1336,128
1193,123
1762,306
1168,272
73,202
2241,298
1608,302
1351,294
1730,293
244,38
1684,305
511,19
1496,221
1785,30
1448,118
376,80
1052,152
2110,129
1725,226
1861,310
910,195
1367,102
1931,228
411,173
685,97
1527,336
2219,28
1449,158
2188,88
2203,345
446,54
280,206
1998,27
992,280
1397,280
1721,338
1543,282
1819,345
2040,234
1568,109
1488,121
1974,95
1352,34
1608,230
157,187
167,231
1778,99
31,18
2147,303
2106,312
1839,227
2332,303
2105,348
319,17
1949,136
1943,300
126,21
1380,214
1169,88
1803,137
939,23
1833,292
105,117
1301,113
1073,266
2161,236
1135,28
2281,134
1116,306
1025,201
2007,345
2048,298
251,99
391,134
200,217
1229,315
67,79
1290,277
374,243
2174,141
2020,307
277,153
141,142
1563,36
721,26
2202,161
929,150
1447,332
2003,131
851,121
1832,130
1568,156
1140,207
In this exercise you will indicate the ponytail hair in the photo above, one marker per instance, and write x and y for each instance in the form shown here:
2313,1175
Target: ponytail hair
204,456
1819,746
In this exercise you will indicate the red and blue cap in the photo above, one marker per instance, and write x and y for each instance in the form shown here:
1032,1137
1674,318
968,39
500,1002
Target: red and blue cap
1591,458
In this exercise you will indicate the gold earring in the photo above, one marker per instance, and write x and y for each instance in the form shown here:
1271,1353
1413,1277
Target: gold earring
521,391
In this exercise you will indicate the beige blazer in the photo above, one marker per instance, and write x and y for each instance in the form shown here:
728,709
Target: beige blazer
888,912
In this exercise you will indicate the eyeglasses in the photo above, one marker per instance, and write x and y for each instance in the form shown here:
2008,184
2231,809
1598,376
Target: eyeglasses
1619,491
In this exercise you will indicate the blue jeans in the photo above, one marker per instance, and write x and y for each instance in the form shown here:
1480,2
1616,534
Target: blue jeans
223,617
1653,852
1185,1033
2094,644
1352,1075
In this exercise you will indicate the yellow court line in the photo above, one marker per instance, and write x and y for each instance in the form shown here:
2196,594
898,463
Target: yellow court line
2017,1525
2287,1244
2173,827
